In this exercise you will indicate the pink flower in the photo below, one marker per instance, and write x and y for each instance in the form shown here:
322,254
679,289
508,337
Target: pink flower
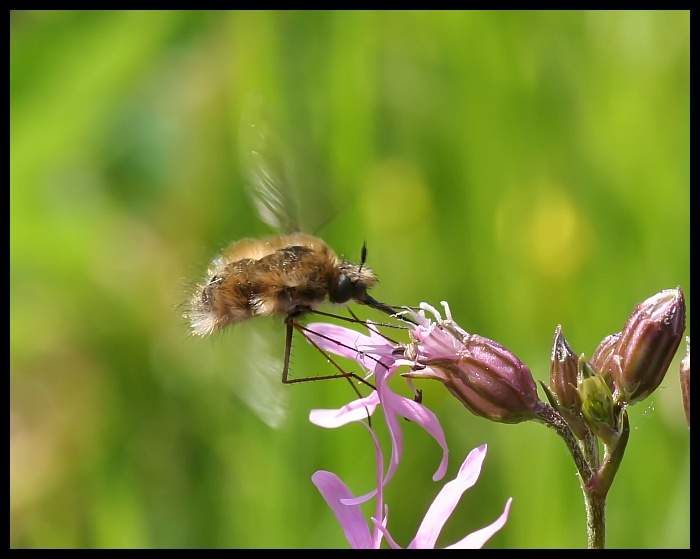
488,378
382,359
485,376
363,535
377,355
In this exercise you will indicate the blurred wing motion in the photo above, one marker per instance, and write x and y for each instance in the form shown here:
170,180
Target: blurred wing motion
286,276
261,389
269,184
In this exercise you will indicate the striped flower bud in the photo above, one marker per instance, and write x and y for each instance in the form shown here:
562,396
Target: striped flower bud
647,344
485,376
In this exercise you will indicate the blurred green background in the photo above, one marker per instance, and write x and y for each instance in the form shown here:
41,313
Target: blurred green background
531,168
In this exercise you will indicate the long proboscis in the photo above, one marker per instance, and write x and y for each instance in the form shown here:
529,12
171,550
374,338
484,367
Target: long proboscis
391,311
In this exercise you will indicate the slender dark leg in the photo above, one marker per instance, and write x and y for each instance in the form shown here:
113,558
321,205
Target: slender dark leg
291,326
356,320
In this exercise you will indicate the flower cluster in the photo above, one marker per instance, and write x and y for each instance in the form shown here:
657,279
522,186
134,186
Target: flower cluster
624,369
587,403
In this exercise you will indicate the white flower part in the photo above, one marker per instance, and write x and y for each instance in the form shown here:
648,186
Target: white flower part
432,310
448,312
451,326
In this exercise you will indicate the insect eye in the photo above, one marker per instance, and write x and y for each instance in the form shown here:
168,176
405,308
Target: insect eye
343,289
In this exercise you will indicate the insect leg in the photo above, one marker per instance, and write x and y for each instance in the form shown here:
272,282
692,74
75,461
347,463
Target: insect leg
356,320
287,352
343,373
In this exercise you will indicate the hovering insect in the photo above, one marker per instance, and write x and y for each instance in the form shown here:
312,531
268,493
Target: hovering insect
286,276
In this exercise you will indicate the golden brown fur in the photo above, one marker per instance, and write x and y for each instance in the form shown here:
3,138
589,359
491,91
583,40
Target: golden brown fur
286,275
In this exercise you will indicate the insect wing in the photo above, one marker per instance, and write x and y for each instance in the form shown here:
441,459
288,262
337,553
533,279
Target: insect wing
268,182
261,389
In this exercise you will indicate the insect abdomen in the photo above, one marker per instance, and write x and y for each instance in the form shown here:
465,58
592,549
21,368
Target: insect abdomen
300,276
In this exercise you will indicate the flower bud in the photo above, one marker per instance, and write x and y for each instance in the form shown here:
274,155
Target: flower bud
647,344
563,381
597,404
486,377
563,372
602,360
685,380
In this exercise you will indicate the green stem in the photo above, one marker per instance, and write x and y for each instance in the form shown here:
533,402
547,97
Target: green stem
585,455
551,418
601,481
595,518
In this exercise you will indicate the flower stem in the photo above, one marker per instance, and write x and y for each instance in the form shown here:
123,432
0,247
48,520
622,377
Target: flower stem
595,518
551,418
585,455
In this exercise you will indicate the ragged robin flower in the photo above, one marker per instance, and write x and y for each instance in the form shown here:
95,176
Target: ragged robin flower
378,356
486,377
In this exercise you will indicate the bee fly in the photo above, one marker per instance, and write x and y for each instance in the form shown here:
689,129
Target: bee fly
289,276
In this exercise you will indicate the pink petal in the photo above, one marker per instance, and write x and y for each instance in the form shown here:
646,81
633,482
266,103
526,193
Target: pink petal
381,526
349,514
395,405
426,419
337,339
356,410
380,472
354,526
446,501
377,534
477,539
